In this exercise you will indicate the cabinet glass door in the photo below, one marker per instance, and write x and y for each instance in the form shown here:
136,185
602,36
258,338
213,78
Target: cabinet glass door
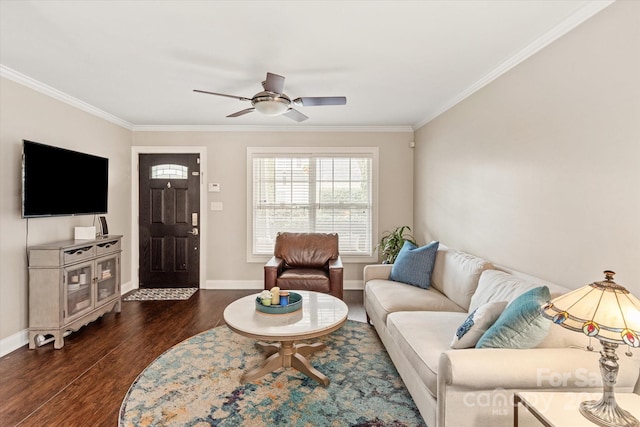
106,278
78,280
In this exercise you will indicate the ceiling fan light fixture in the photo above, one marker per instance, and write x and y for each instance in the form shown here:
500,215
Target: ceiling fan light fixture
271,105
273,102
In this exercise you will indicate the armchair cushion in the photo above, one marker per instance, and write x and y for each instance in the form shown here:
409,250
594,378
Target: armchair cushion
309,279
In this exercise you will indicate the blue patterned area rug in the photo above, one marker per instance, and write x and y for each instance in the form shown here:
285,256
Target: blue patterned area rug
197,383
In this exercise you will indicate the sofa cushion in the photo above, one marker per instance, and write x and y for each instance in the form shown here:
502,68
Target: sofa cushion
521,324
385,296
476,324
414,265
456,274
497,285
421,336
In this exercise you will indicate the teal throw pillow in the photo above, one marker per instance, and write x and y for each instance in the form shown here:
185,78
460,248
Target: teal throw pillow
521,324
414,265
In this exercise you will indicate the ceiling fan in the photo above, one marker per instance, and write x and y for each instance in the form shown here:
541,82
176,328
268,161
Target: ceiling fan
273,102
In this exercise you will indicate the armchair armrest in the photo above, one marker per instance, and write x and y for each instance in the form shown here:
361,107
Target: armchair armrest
335,263
336,277
376,271
272,269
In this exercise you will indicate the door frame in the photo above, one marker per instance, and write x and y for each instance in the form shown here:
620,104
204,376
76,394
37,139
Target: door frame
135,208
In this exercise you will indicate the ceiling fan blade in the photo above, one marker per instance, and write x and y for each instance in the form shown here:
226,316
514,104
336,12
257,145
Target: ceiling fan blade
274,83
241,98
311,101
295,115
241,112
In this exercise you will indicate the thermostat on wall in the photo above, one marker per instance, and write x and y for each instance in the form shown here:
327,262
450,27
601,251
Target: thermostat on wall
214,187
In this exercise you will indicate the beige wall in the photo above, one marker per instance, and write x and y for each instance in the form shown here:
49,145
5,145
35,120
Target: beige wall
27,114
226,164
540,170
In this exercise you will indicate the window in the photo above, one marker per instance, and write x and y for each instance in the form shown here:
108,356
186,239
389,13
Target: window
169,172
312,190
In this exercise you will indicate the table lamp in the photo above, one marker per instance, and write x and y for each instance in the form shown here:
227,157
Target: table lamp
608,312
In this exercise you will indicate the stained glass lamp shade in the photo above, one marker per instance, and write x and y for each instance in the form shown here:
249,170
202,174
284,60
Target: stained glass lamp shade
608,312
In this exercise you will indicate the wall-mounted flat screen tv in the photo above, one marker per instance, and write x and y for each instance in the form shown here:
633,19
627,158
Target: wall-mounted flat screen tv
57,182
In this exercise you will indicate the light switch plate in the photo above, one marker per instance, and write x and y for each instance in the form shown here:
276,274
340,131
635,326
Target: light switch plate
216,206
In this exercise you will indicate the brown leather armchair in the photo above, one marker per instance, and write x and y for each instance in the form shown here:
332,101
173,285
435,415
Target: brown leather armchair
305,261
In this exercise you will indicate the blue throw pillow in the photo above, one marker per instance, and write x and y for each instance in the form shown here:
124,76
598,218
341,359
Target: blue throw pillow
521,324
414,265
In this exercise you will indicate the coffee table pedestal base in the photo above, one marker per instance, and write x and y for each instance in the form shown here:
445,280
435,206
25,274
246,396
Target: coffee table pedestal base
286,354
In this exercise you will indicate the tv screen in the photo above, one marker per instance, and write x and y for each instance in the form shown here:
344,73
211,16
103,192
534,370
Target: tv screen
57,181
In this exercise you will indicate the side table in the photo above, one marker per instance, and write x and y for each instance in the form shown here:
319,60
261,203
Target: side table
559,409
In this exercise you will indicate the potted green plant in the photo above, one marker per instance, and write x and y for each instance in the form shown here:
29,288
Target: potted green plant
391,242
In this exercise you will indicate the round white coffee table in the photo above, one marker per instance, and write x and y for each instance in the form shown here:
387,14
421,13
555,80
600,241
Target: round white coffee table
320,315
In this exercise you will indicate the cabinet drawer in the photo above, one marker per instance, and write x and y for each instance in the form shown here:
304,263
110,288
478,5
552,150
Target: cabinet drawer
77,254
108,246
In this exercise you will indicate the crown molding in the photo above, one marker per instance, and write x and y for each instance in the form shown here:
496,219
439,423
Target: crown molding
558,31
529,50
247,128
61,96
81,105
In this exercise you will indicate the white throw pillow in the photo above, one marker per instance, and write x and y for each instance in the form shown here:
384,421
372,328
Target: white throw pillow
476,324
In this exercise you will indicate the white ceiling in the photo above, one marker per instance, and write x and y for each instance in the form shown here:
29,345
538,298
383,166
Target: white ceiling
399,63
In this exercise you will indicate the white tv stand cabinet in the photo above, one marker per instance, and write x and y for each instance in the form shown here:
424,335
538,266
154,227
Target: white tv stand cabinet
72,283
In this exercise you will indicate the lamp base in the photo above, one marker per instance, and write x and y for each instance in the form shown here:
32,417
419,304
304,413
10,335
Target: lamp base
607,414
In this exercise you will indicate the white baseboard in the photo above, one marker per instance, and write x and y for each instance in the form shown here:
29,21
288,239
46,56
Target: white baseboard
353,285
127,287
349,285
19,339
14,342
233,284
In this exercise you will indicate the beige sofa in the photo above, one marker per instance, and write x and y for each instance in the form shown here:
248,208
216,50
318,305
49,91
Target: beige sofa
474,387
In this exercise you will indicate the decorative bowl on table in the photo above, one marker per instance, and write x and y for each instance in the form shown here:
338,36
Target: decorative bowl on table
295,304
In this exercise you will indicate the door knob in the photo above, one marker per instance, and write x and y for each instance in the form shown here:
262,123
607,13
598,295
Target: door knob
193,231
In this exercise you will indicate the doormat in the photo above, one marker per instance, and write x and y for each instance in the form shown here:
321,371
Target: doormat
161,294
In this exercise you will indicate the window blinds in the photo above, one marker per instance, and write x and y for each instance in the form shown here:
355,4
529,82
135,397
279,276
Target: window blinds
313,193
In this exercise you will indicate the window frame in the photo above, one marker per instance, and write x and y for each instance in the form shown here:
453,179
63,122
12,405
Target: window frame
308,151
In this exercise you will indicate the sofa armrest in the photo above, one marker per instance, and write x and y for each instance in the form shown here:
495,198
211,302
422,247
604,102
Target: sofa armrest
376,271
271,271
538,368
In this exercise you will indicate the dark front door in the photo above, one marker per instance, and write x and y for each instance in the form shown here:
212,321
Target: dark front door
169,222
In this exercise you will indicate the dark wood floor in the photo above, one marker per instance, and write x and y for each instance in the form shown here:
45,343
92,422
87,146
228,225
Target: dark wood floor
83,383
